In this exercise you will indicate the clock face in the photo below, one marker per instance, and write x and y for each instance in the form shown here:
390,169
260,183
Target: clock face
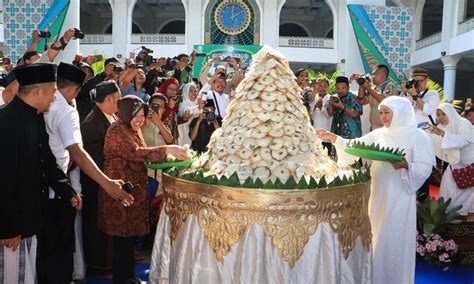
232,18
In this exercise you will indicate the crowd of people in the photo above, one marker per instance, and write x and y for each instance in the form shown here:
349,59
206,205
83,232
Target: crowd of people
77,195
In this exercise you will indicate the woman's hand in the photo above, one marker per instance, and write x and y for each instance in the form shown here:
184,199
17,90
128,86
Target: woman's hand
326,135
180,153
436,130
187,115
403,164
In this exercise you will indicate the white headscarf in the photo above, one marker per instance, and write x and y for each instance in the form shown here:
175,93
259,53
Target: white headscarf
456,124
403,120
187,104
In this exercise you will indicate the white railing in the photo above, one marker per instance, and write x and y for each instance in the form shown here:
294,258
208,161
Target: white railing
467,25
97,39
312,42
427,41
158,38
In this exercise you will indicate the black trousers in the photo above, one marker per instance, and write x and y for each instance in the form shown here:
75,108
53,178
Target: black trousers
54,262
123,259
97,245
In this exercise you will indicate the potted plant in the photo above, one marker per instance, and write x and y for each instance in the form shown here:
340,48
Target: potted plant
432,220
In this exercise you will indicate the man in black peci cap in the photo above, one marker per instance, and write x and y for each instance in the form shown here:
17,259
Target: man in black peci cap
111,72
97,245
28,168
55,265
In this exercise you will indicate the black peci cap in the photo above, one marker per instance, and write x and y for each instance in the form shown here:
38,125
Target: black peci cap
342,79
71,73
36,73
104,89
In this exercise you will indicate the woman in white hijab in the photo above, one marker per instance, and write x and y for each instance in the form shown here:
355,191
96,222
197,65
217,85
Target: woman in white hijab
392,204
190,105
453,141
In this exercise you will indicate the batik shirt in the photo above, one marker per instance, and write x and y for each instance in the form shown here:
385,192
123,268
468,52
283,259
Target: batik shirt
345,125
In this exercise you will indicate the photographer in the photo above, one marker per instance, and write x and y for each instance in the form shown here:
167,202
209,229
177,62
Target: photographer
217,94
184,68
381,89
33,56
203,126
231,83
345,110
111,72
302,78
170,88
132,81
155,133
155,75
424,101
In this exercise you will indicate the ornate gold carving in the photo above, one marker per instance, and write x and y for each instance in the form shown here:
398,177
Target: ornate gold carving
288,217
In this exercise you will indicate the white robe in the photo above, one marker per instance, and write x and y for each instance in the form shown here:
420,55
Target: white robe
455,150
392,204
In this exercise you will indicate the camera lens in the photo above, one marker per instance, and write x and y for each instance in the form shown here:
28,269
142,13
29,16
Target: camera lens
361,80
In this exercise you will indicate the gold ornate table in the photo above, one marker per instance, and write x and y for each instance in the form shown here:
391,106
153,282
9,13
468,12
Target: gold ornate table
216,234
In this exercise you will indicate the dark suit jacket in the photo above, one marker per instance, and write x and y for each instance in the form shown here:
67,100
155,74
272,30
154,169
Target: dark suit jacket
27,168
93,130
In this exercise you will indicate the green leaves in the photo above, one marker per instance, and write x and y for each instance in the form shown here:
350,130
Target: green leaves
376,147
361,175
433,216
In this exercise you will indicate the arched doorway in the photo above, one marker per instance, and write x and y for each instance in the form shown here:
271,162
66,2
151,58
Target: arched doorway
300,20
159,16
95,16
431,18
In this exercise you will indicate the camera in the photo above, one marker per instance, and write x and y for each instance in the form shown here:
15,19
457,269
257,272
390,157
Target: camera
147,60
128,187
155,107
305,96
117,68
362,80
335,99
45,34
177,98
3,80
78,34
136,66
412,83
210,115
146,50
170,64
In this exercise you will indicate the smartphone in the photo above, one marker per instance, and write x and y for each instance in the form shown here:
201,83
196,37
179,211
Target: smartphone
155,107
469,101
424,125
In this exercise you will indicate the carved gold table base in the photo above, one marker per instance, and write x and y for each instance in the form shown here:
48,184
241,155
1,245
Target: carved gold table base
288,217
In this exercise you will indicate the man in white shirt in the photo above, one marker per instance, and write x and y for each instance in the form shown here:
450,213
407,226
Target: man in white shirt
63,127
424,101
318,108
216,93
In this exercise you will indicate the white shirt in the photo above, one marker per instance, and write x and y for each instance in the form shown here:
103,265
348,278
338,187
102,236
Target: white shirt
321,118
63,127
431,100
221,104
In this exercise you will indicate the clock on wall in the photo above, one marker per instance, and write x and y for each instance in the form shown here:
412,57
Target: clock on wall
232,17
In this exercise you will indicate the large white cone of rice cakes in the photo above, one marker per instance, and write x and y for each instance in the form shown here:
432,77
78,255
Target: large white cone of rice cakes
267,133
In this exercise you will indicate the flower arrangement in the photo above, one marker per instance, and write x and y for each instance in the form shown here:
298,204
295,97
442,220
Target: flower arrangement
436,251
433,217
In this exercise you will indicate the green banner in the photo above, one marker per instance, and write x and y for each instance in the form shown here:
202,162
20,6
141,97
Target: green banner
242,52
